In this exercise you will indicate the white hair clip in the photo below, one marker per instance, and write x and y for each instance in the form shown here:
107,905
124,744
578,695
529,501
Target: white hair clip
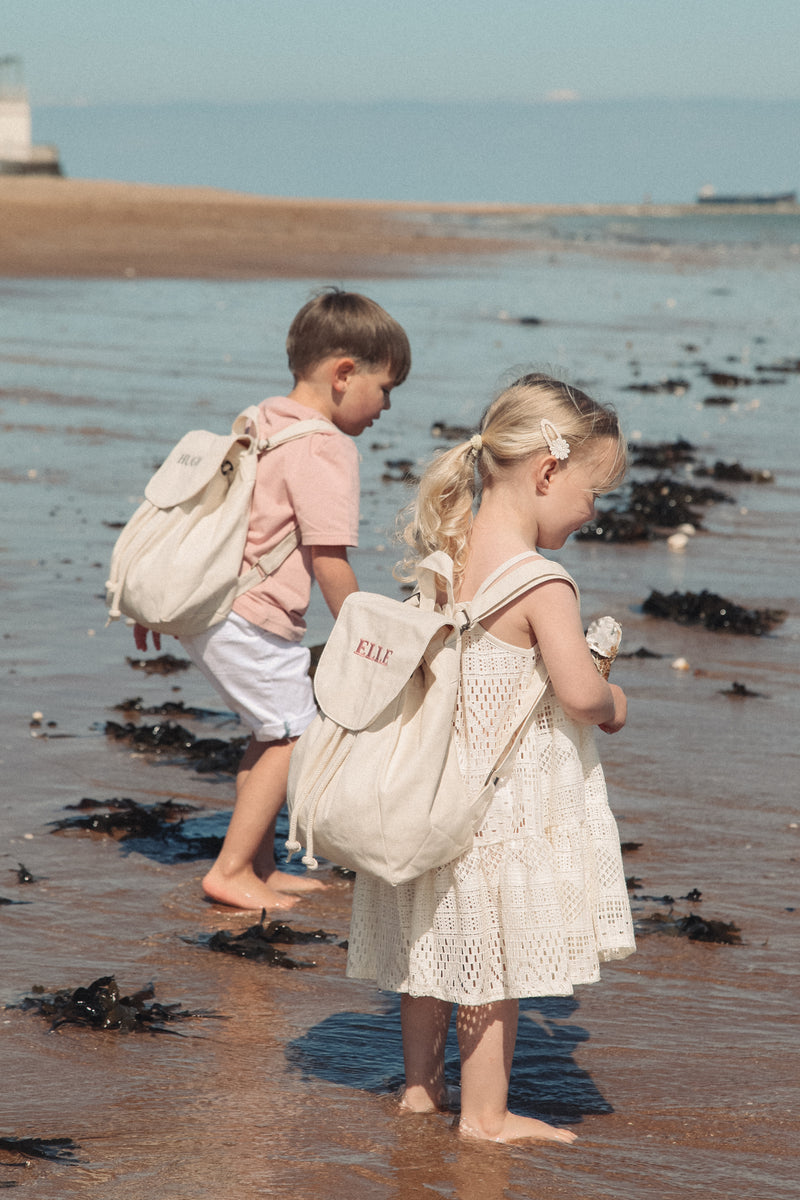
556,444
475,444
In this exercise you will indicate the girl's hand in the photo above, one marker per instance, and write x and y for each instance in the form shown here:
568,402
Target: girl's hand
620,711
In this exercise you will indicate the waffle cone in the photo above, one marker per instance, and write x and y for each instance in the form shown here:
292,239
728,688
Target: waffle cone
603,662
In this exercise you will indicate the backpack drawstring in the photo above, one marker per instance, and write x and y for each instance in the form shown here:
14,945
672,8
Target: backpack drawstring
114,587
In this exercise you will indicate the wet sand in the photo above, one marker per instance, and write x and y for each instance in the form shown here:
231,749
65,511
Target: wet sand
678,1071
80,228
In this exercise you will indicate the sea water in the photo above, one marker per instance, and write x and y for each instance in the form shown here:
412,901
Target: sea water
676,1069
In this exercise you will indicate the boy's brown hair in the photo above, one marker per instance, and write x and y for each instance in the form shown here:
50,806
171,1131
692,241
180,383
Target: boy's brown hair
338,323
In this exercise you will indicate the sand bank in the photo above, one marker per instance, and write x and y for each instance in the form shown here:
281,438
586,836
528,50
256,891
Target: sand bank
85,228
57,227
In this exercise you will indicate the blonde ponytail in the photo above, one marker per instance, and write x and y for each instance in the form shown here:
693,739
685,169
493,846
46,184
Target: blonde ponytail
440,518
516,425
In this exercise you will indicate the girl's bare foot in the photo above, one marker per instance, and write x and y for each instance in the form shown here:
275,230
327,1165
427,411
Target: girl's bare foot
283,882
417,1100
513,1128
245,890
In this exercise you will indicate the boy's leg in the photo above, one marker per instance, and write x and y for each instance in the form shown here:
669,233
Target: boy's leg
244,874
424,1022
486,1037
265,680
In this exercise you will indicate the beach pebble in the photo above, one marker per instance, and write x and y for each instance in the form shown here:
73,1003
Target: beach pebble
680,664
677,541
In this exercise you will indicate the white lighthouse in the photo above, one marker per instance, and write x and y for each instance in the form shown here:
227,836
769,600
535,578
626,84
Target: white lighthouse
18,155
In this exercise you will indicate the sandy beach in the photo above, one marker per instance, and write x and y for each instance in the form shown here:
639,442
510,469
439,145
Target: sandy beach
81,228
678,1071
52,227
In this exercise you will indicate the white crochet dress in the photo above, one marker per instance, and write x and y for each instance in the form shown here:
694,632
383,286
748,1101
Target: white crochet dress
540,900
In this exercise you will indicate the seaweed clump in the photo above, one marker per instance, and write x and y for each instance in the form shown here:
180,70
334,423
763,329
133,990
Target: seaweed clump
208,755
257,942
694,927
101,1006
52,1149
711,611
652,506
158,829
165,664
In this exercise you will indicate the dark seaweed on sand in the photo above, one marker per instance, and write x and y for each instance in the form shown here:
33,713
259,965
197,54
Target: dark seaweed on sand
734,473
53,1149
158,830
661,455
661,387
101,1006
711,611
165,664
695,928
257,942
172,708
208,755
740,691
649,507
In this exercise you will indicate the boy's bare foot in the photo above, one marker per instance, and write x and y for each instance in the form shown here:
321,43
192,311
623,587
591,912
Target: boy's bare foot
245,890
282,881
513,1128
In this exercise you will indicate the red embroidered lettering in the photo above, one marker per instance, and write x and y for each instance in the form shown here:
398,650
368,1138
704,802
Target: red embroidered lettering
375,653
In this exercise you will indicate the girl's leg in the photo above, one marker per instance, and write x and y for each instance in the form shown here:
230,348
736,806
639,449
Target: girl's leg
486,1038
424,1022
244,874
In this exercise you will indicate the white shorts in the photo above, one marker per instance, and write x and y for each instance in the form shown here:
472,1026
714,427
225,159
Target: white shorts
261,676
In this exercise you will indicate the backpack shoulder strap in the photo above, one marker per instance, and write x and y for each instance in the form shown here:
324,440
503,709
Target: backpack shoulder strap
273,558
512,580
296,429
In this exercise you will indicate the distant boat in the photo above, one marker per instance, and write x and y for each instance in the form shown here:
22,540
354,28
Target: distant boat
709,195
18,155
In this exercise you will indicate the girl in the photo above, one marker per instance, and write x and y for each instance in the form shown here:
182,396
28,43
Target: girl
540,899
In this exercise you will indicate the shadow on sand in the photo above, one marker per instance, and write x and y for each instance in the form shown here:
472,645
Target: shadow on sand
363,1050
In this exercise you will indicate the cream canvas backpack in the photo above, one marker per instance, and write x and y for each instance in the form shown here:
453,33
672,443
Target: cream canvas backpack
175,566
374,782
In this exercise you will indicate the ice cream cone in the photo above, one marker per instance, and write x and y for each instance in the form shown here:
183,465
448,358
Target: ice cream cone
603,637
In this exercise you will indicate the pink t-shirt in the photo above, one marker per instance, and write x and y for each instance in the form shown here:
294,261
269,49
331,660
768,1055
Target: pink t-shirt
311,482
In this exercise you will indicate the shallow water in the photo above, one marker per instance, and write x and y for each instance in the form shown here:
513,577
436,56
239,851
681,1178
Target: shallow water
678,1070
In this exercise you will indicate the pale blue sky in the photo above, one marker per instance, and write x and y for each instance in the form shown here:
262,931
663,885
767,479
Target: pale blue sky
106,51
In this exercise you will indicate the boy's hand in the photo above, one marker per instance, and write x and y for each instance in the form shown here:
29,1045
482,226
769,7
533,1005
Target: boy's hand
140,638
620,711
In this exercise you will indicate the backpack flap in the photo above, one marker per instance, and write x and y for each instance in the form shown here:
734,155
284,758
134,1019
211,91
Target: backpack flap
192,464
375,647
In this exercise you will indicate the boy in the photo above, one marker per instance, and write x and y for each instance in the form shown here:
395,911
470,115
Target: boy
345,355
